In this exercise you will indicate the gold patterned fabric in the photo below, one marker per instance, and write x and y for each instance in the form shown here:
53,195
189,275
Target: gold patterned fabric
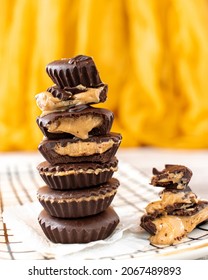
152,54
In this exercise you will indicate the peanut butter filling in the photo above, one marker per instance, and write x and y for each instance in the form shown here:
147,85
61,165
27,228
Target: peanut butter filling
83,148
171,229
79,171
79,127
169,198
175,178
92,95
47,103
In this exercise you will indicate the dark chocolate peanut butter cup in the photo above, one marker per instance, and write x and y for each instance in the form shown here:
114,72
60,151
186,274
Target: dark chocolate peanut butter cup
81,230
73,150
80,121
70,72
78,203
76,175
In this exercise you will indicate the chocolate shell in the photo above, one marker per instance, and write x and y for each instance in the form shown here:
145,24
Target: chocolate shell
79,117
146,223
76,175
78,203
50,149
62,94
70,72
189,211
81,230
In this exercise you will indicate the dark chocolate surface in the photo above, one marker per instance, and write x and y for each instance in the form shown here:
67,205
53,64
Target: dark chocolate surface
79,178
75,112
70,72
80,230
47,167
147,224
78,203
62,94
47,193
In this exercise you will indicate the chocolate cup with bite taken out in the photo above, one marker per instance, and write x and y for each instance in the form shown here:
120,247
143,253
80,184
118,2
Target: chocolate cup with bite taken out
94,149
81,121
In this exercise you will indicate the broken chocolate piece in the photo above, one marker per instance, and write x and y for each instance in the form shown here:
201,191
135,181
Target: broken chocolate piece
171,200
147,224
169,229
173,177
187,211
178,212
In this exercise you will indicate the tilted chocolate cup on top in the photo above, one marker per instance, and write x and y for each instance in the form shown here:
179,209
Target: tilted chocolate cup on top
71,72
80,121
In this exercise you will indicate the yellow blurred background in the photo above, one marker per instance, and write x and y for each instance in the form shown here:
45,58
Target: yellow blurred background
153,54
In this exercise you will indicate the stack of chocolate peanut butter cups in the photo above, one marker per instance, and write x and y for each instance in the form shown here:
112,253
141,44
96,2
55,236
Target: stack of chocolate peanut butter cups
79,149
